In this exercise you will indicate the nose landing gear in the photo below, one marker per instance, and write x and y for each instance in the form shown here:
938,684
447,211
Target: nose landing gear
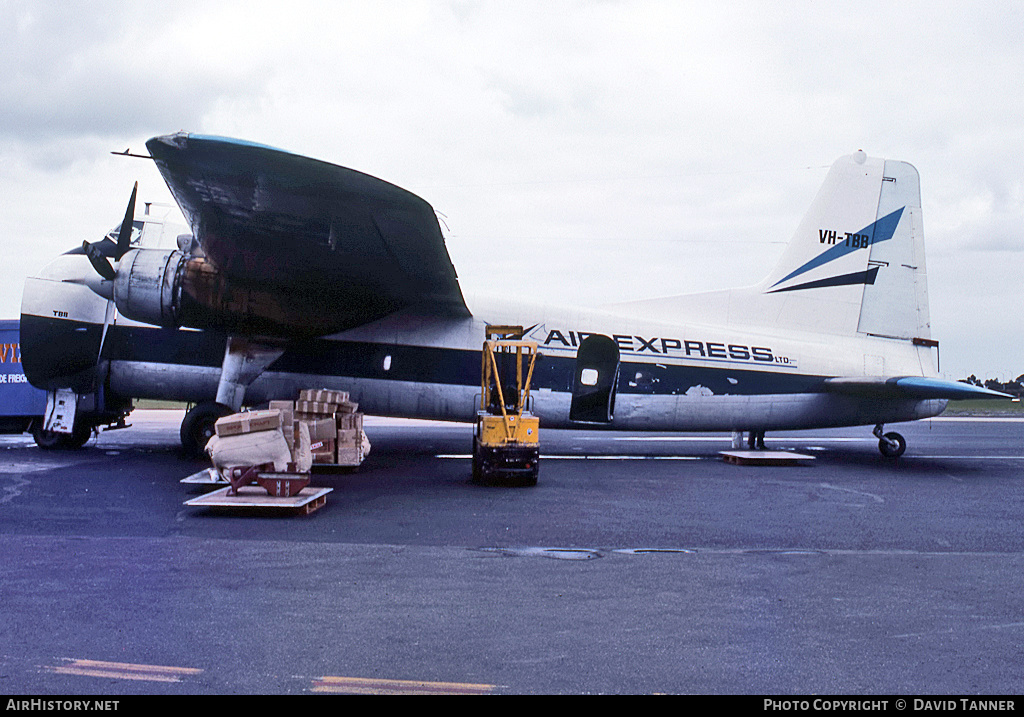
892,444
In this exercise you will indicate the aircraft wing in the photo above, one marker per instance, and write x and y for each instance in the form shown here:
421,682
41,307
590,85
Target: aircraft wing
911,387
265,217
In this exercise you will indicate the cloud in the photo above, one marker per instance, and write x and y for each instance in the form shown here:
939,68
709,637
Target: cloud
74,71
609,148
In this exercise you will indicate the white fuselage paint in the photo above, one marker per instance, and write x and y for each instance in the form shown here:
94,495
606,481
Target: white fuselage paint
697,409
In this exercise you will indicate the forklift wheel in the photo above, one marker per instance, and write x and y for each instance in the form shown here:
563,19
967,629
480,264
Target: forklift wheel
484,472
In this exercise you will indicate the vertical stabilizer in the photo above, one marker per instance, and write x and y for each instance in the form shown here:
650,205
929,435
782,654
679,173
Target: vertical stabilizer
855,265
826,249
852,265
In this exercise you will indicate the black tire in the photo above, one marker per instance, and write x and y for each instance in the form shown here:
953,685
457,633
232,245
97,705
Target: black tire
477,474
80,435
48,440
527,481
886,447
197,428
52,440
490,468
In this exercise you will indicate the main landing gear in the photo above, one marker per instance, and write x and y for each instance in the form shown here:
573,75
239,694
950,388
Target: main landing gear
198,426
892,444
244,361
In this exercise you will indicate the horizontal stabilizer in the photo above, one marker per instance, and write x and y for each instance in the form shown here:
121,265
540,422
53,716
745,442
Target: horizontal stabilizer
913,387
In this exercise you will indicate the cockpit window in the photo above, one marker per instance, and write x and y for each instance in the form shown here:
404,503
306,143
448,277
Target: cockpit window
136,232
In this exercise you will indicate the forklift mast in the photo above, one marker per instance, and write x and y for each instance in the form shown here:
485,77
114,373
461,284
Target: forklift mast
504,389
505,441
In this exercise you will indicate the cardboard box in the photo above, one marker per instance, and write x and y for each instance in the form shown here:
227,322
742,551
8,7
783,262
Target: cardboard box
323,445
349,436
322,429
316,408
349,421
324,451
350,447
287,409
323,395
349,456
248,422
347,407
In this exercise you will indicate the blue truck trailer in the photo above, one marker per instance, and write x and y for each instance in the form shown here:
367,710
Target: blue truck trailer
22,405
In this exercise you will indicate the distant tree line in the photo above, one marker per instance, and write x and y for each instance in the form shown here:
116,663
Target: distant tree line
1015,387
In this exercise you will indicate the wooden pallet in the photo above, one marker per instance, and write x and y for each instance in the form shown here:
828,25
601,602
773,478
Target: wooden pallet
256,499
764,458
207,476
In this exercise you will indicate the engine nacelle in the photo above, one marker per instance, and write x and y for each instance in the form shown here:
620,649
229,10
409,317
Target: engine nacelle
170,288
148,288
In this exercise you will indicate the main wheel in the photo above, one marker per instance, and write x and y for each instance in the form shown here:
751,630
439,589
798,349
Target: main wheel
892,445
197,428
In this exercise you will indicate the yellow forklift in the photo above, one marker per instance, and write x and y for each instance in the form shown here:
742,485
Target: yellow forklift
506,447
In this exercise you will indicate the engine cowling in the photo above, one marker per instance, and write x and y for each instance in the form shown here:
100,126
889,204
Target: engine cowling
171,289
147,287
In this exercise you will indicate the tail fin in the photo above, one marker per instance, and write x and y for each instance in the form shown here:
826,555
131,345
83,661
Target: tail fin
854,266
856,262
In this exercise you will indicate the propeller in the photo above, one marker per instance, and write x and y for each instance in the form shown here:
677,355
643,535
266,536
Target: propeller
98,259
102,264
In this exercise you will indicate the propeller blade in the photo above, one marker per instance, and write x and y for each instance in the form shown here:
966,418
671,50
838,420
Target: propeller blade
99,262
107,317
125,235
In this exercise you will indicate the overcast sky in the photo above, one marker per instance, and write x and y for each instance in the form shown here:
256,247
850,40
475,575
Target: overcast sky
603,150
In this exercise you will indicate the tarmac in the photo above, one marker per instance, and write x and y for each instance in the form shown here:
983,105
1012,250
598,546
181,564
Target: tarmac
639,564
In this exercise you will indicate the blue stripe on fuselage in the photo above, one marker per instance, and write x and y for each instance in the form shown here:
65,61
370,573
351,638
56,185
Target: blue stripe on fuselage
438,365
417,364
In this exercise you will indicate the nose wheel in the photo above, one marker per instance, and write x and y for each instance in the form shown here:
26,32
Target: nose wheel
50,440
892,444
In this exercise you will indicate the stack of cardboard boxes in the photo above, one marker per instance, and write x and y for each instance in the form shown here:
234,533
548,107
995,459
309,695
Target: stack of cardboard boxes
335,425
250,438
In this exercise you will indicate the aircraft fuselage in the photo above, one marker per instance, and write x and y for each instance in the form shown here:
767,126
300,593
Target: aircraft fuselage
672,377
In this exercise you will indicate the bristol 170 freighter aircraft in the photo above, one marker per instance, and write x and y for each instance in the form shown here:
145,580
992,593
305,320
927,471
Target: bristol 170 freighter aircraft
299,273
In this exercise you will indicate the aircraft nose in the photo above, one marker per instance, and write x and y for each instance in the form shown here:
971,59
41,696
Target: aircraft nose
57,351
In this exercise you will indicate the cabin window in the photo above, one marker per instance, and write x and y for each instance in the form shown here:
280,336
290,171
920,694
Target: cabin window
588,377
387,362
